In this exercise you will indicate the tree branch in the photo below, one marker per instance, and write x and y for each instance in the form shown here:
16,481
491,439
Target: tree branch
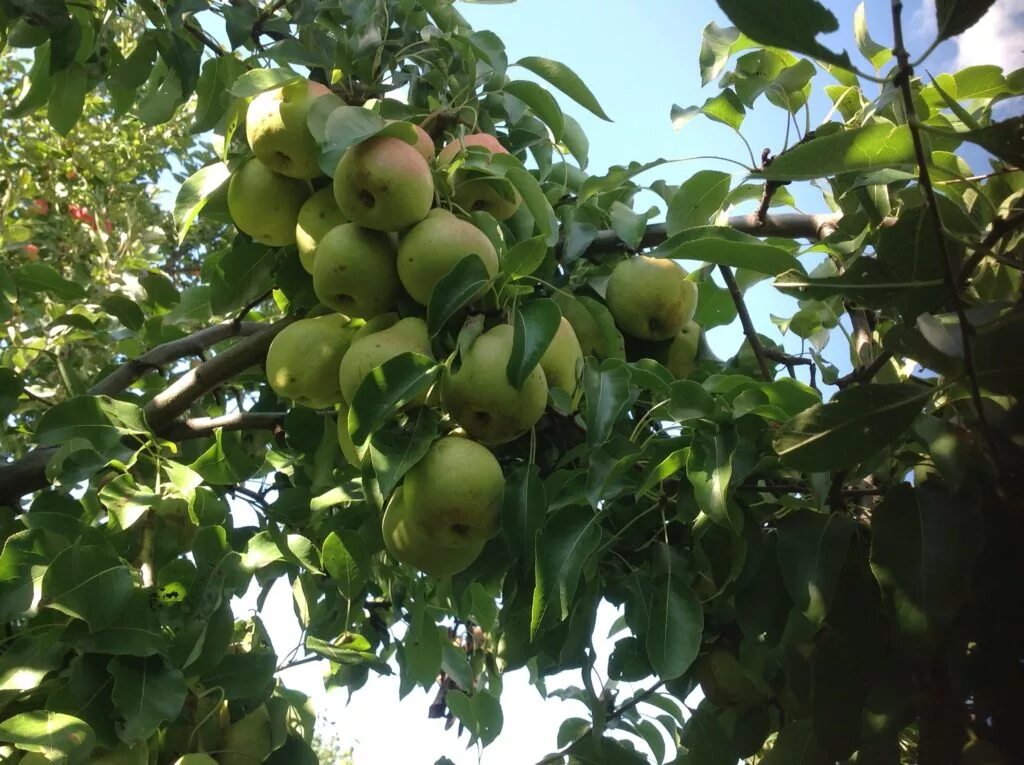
200,427
748,325
865,374
1000,228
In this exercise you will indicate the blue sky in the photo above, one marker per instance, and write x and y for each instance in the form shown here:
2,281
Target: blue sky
639,58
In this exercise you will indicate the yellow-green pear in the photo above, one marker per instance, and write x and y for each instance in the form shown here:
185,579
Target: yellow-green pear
682,351
318,215
122,754
434,246
348,447
405,541
303,360
560,361
453,495
264,204
354,271
650,298
197,758
275,126
384,183
248,741
370,351
479,397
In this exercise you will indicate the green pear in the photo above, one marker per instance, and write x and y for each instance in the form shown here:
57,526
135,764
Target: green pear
303,360
650,298
369,352
248,741
264,204
275,126
405,541
682,351
384,183
560,360
354,271
434,246
453,495
318,215
724,681
348,447
122,754
197,758
479,397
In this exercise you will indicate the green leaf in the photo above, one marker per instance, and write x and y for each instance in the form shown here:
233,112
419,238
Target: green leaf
795,745
923,549
386,389
243,273
536,202
709,469
606,390
147,693
567,540
454,291
40,85
535,325
255,81
77,574
675,626
195,193
877,54
346,126
865,148
422,649
135,632
812,548
725,108
124,310
67,97
52,734
524,258
699,198
716,45
788,24
39,277
394,450
855,425
523,510
955,16
480,713
566,80
347,649
540,101
727,247
1002,139
630,226
342,567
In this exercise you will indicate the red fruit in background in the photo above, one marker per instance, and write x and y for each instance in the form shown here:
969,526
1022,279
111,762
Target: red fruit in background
108,226
31,252
74,211
71,175
39,207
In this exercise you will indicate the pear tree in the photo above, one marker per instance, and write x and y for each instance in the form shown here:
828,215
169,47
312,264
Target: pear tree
468,389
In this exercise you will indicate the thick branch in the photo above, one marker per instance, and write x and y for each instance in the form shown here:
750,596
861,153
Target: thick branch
200,427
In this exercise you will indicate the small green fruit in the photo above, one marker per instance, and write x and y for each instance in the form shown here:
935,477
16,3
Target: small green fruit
275,126
682,351
354,271
434,246
248,741
264,204
369,352
404,540
651,298
303,360
384,184
453,495
560,361
479,397
317,216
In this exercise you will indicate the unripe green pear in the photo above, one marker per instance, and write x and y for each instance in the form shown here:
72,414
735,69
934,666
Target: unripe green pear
650,298
560,361
473,193
275,126
434,246
303,360
264,204
384,184
479,397
317,216
405,541
682,351
248,741
354,271
122,754
453,495
369,352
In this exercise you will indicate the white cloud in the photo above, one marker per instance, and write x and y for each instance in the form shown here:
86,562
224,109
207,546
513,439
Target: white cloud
997,39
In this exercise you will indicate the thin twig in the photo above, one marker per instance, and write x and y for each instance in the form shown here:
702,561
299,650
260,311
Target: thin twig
249,306
745,320
205,39
1000,228
865,374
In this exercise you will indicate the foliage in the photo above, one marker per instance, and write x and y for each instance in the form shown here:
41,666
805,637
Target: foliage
836,572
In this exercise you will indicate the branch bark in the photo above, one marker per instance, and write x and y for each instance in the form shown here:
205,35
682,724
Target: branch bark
200,427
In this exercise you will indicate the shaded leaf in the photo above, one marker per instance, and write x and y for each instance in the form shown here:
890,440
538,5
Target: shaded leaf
386,389
454,291
675,626
535,325
812,548
568,539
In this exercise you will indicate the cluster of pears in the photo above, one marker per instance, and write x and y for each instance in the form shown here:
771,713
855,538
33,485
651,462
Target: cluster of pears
375,245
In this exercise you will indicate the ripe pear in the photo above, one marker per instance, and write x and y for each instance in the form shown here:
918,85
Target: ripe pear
275,126
248,741
303,360
405,541
384,183
354,271
264,204
318,215
479,397
434,246
408,335
651,298
560,361
424,143
682,351
453,495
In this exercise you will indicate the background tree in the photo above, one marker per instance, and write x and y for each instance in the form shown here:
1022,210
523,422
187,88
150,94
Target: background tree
836,572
